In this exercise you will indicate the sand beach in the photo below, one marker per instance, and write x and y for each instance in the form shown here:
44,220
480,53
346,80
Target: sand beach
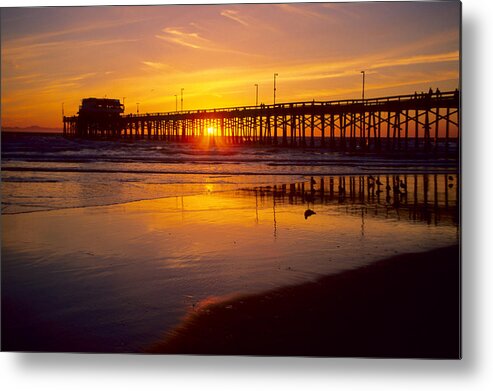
407,306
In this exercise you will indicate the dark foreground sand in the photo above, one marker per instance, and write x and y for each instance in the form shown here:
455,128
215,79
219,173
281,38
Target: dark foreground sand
404,306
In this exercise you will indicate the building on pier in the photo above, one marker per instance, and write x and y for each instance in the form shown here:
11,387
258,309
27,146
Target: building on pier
97,118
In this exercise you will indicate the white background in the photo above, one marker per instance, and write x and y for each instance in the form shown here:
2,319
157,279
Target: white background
473,372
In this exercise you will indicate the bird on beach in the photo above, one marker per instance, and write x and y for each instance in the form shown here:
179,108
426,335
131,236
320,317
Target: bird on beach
308,213
403,186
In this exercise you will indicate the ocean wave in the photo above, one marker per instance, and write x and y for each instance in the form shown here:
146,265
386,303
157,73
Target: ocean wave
338,170
31,179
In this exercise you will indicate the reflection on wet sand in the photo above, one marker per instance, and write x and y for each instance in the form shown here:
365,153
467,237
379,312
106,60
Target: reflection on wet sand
373,309
422,198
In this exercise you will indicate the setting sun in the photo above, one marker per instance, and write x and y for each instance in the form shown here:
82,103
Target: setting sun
211,131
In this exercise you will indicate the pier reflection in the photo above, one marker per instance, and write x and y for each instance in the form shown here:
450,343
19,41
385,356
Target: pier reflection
428,198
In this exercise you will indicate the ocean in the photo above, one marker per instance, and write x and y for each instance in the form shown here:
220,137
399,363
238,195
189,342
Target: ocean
107,245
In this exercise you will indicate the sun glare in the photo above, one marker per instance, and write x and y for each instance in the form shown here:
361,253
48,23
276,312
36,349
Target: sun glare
211,131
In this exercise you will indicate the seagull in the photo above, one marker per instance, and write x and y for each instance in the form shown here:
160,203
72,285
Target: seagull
308,213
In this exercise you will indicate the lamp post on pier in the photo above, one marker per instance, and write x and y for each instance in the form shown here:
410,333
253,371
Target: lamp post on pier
275,75
363,93
256,95
362,134
138,107
182,99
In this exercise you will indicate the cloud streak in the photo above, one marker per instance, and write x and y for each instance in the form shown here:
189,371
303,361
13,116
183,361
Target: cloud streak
418,59
177,36
303,10
235,16
193,40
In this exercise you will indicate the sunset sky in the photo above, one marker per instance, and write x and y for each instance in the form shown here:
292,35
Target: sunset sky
217,53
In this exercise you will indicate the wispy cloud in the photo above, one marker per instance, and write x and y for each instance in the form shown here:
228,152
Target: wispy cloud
19,52
80,77
75,31
188,39
418,59
234,15
346,68
193,40
345,10
22,78
336,92
156,65
303,10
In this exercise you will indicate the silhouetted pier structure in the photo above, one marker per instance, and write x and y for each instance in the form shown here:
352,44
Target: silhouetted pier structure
394,123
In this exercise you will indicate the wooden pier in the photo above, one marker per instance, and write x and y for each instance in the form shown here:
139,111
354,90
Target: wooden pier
427,122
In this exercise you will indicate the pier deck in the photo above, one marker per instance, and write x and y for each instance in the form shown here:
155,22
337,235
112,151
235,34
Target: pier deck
428,122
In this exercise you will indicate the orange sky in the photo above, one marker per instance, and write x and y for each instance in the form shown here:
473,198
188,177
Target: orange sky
217,53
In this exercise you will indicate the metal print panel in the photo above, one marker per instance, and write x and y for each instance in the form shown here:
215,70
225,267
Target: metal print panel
240,179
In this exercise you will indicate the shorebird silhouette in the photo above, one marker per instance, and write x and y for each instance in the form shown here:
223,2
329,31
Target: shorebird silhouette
403,186
308,213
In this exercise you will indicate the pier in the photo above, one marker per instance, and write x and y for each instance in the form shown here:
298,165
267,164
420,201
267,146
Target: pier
425,122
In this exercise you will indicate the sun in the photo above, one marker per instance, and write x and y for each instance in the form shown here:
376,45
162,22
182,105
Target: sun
210,131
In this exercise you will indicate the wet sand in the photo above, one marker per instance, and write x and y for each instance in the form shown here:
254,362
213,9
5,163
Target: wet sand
407,306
